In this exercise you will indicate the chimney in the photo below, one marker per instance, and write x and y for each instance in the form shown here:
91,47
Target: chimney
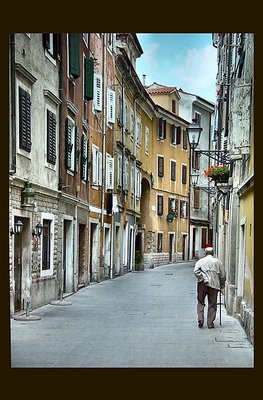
143,80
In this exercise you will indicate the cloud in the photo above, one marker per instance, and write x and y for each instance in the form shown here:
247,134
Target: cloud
197,71
150,62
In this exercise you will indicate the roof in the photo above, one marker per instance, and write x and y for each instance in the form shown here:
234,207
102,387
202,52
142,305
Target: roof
162,90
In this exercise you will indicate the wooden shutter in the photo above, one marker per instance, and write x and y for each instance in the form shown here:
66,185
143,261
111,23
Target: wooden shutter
74,55
173,170
68,144
196,198
204,232
51,137
178,135
160,166
110,173
184,170
110,106
84,158
182,208
159,205
97,92
184,140
76,158
89,78
24,120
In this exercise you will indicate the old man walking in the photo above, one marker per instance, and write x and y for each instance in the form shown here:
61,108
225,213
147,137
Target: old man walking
210,274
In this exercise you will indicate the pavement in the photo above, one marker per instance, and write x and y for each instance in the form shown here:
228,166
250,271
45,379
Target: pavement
144,319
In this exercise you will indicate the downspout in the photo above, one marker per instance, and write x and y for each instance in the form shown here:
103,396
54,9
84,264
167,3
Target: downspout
12,162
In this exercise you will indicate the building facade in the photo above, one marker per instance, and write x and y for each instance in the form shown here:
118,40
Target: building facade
234,211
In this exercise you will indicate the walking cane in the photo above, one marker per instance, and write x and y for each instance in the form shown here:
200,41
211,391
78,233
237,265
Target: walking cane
220,308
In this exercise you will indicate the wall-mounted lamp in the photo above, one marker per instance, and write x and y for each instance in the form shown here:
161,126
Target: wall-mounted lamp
38,230
194,176
28,195
194,132
17,228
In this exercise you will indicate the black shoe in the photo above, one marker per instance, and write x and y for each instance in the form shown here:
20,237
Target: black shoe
210,327
200,324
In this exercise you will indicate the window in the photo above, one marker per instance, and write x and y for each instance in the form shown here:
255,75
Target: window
84,158
125,116
110,106
51,137
173,134
159,242
159,204
74,55
96,166
184,173
183,209
172,205
24,120
97,96
146,140
72,146
173,170
196,198
184,140
88,78
51,44
197,116
119,116
161,129
160,166
109,172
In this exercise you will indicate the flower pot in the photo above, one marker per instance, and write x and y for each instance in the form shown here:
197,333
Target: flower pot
220,178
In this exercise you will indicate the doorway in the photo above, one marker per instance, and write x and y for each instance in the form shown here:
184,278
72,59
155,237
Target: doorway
171,246
67,256
94,252
18,271
184,253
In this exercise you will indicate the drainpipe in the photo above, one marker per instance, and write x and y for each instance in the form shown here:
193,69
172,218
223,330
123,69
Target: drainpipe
103,145
12,162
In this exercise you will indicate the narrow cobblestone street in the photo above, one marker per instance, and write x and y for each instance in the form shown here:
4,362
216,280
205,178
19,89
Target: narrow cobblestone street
141,319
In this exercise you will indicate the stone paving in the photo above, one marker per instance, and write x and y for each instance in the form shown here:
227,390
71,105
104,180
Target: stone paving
144,319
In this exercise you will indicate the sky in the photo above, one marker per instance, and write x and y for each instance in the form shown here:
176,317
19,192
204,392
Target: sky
185,60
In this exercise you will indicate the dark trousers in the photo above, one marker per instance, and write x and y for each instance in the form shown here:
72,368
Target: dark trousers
211,293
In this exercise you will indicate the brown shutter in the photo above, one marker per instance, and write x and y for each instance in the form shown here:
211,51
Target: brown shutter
24,120
173,170
184,169
160,166
51,137
159,205
178,135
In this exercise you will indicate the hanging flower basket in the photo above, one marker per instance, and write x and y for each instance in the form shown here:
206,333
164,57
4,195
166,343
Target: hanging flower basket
217,173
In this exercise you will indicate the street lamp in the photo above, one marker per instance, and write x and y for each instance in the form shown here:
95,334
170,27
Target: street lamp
194,132
38,230
194,176
17,228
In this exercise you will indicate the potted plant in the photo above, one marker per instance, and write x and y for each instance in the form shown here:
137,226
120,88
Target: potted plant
217,173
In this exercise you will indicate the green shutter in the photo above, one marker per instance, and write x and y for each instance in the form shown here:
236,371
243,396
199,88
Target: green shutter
74,55
89,78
